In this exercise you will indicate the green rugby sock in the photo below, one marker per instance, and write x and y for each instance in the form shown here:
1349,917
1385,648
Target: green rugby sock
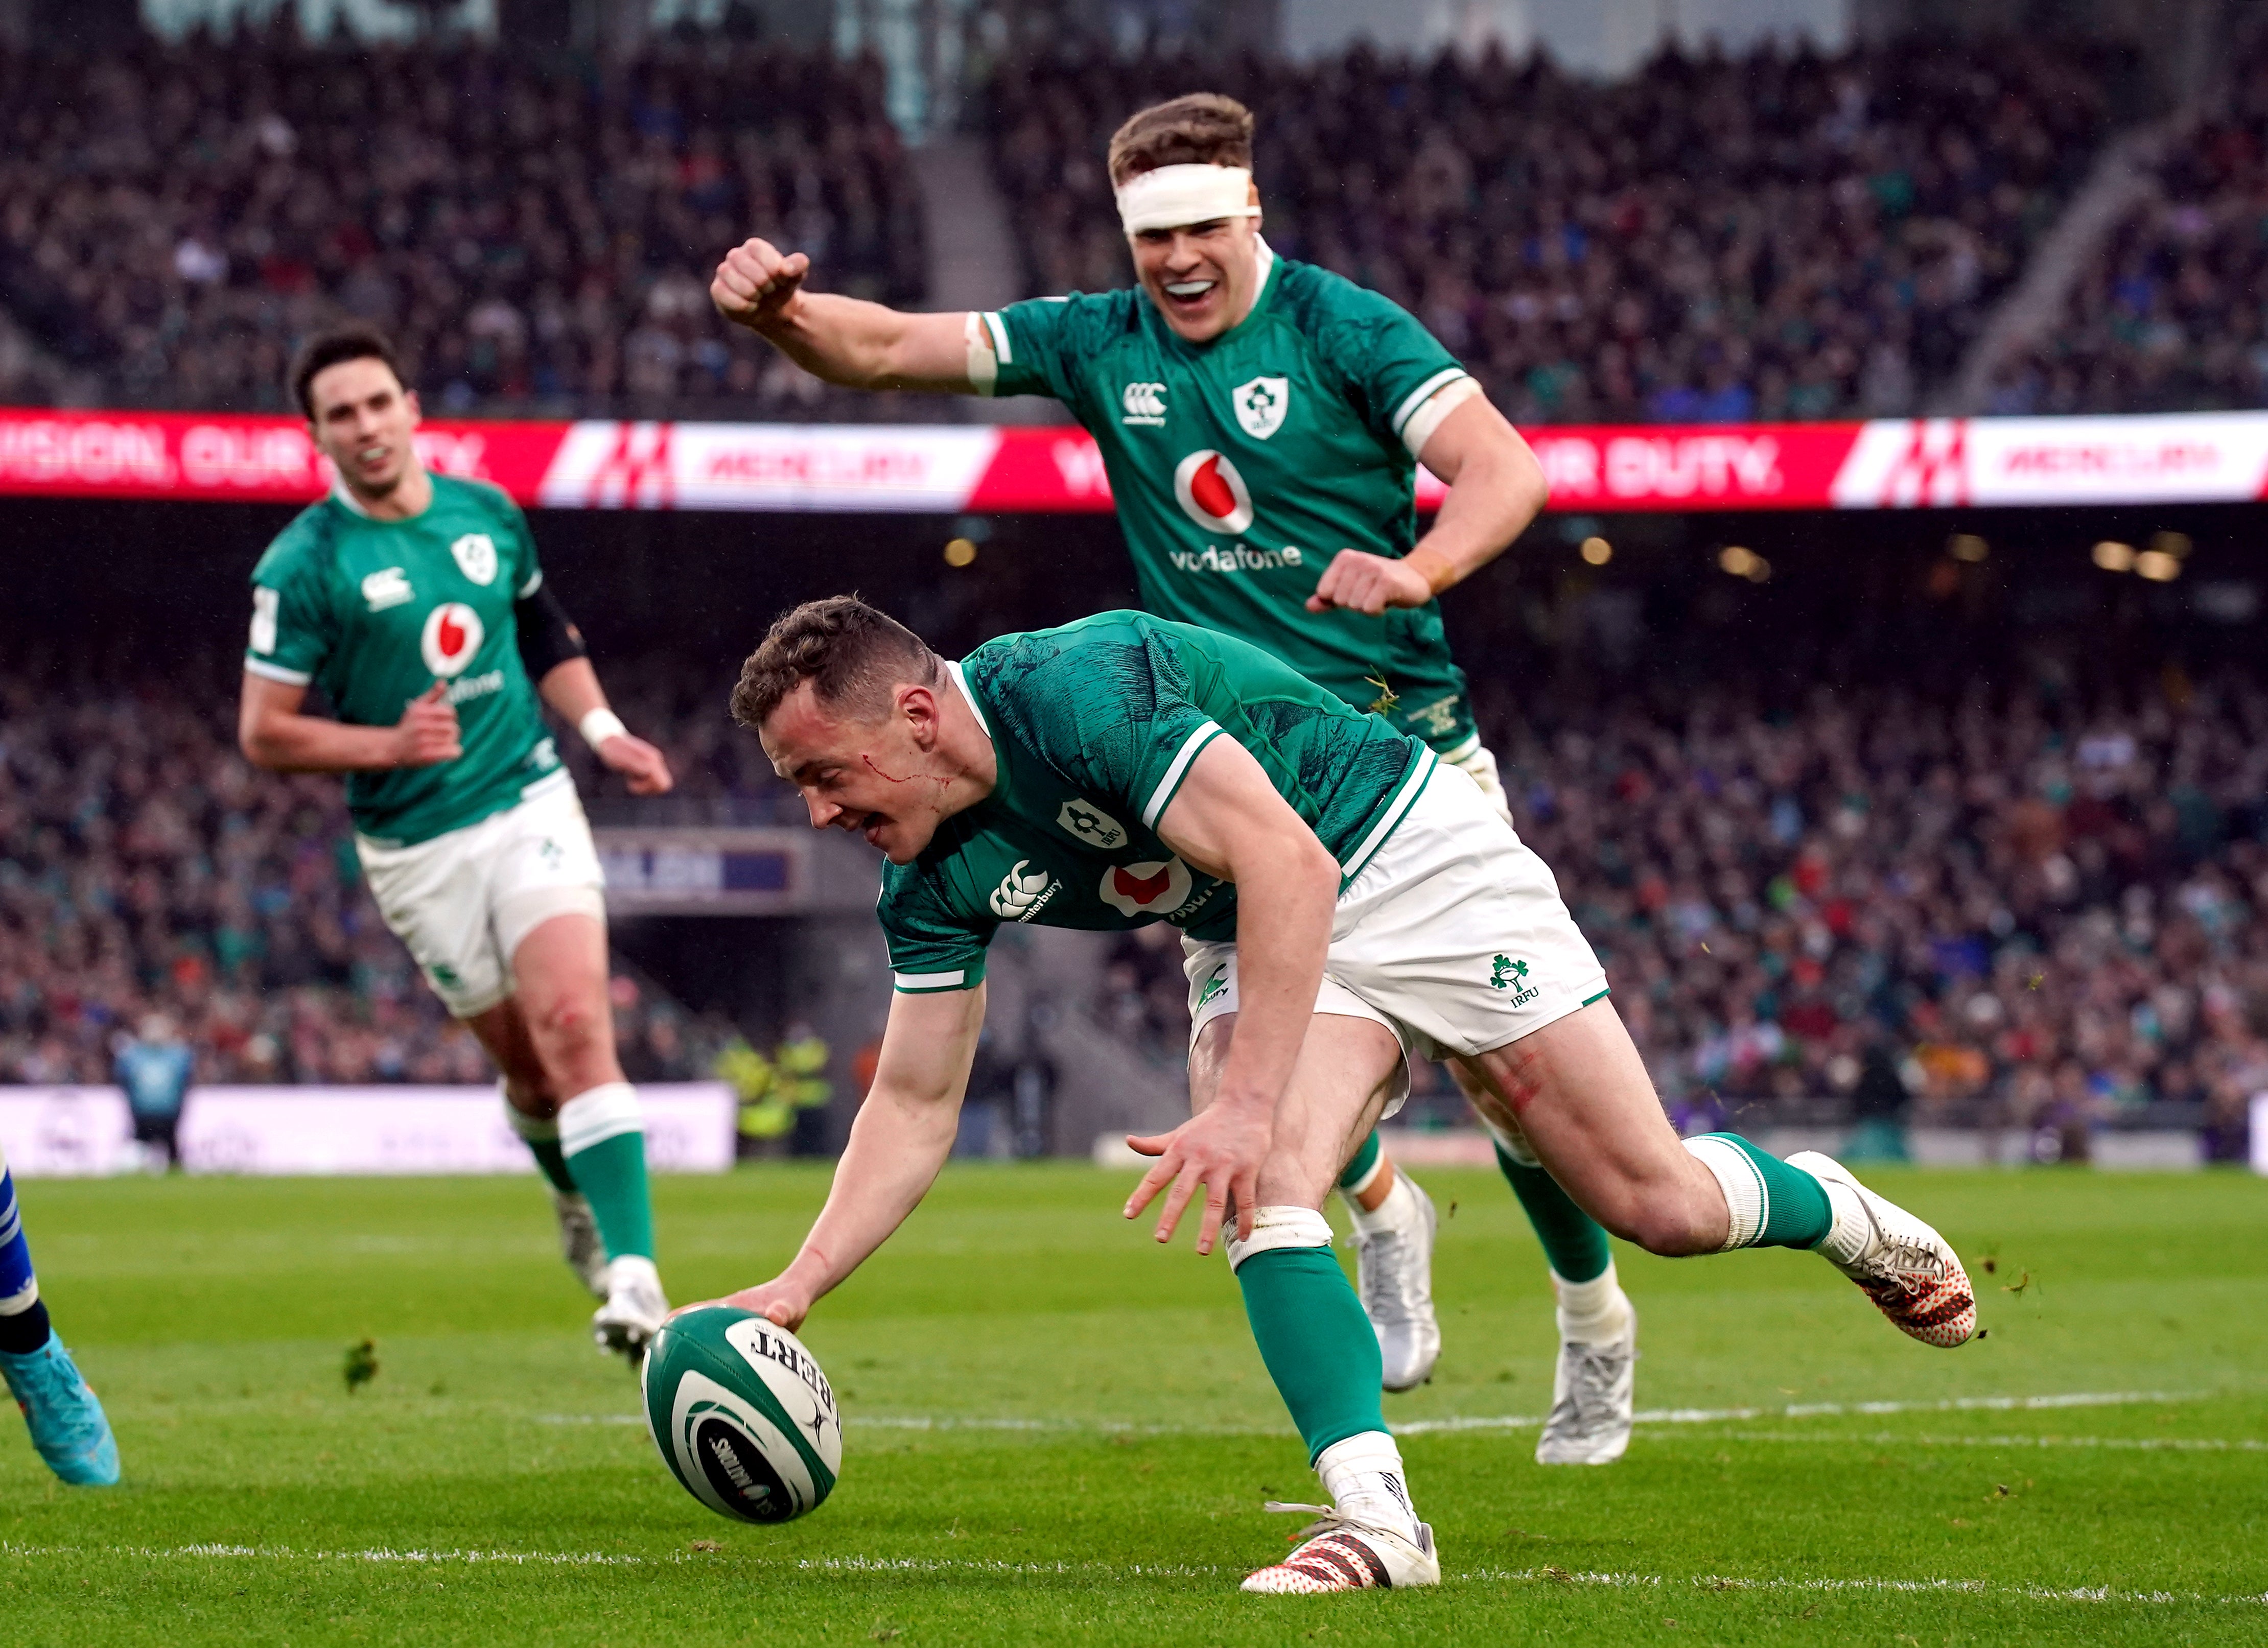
1361,1164
1317,1344
605,1150
1574,1243
1771,1205
541,1138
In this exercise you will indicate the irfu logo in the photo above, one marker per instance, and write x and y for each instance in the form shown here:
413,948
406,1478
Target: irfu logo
1504,971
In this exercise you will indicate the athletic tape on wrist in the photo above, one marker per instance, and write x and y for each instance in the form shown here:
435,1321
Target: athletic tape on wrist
599,726
1435,566
983,360
1174,196
605,1112
1275,1227
1742,1185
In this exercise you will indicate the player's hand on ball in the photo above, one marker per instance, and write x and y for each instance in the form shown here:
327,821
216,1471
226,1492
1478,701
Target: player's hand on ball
1222,1149
427,734
1369,584
779,1301
757,282
646,768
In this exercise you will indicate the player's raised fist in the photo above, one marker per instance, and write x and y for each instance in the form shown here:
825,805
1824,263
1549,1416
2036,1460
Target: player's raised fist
427,733
1363,583
757,282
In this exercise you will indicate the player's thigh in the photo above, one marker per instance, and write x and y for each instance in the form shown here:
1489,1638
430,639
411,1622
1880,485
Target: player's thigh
1578,1091
547,907
559,970
434,897
1347,1070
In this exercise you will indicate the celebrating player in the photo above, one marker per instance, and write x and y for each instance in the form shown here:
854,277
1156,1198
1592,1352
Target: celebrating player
1351,901
1260,419
415,601
68,1429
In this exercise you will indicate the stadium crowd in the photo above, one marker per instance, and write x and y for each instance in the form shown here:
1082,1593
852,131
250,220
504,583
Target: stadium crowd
536,235
1782,236
2170,317
2039,911
145,866
2039,908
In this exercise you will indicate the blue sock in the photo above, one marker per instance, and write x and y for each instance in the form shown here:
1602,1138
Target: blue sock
23,1319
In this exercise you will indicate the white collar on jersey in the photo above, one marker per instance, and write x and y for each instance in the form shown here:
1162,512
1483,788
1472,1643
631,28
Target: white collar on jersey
953,668
348,500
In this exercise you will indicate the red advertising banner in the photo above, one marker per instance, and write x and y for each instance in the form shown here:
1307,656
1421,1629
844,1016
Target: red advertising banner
601,463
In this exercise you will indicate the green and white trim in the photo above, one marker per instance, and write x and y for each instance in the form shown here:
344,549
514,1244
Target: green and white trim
1413,785
1176,770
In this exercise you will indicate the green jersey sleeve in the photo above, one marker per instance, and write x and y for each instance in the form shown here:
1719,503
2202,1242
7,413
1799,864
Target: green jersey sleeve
526,571
932,947
1041,343
1110,706
1391,364
293,626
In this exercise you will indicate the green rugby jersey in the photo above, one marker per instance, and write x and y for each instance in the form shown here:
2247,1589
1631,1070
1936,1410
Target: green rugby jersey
374,611
1241,467
1095,727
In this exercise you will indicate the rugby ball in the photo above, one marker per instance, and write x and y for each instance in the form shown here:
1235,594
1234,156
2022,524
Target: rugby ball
743,1417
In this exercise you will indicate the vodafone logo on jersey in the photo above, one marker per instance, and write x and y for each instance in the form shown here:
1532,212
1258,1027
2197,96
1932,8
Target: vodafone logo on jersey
1211,493
1146,889
452,636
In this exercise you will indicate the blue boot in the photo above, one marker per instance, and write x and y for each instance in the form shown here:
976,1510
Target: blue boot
69,1427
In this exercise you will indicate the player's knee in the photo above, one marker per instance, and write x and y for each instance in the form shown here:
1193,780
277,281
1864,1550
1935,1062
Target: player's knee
563,1025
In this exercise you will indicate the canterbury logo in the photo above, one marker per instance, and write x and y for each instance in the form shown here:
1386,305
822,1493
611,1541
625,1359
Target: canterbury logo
1145,403
1019,897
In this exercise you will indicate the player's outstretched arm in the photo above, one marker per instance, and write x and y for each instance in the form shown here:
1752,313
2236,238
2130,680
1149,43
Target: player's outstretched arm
273,733
572,687
902,1136
845,341
1229,820
1495,489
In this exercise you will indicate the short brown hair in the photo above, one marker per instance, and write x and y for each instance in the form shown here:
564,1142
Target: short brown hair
1201,128
851,653
328,349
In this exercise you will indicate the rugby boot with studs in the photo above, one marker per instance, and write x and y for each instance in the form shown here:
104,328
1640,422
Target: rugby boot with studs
1908,1271
1394,1276
1338,1552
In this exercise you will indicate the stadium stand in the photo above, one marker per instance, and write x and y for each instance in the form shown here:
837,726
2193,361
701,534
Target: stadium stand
144,865
2169,318
538,236
1777,237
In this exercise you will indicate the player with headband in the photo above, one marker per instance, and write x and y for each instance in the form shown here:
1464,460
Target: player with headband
1261,420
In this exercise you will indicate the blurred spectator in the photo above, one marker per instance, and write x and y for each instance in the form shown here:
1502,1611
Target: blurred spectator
153,1068
536,235
1786,236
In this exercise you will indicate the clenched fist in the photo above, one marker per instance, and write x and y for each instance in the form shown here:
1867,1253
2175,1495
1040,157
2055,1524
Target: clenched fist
757,283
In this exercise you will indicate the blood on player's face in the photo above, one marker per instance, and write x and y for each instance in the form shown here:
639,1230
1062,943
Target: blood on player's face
872,778
364,420
1202,276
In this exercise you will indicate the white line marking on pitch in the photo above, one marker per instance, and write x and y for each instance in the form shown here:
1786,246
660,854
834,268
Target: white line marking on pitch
1172,1571
2176,1444
1493,1422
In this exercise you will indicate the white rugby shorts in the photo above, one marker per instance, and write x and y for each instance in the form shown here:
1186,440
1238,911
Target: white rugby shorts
464,901
1454,937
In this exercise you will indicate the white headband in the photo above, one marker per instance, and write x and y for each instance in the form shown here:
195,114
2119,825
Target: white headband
1169,197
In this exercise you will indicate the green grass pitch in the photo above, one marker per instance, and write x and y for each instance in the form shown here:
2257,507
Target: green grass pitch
1057,1434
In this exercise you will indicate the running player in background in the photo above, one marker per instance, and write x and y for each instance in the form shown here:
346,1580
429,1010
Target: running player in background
415,601
1261,420
69,1430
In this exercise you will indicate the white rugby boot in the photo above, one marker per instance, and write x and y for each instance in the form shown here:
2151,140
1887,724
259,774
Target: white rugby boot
1908,1271
1394,1274
579,1241
1593,1401
635,1308
1338,1552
